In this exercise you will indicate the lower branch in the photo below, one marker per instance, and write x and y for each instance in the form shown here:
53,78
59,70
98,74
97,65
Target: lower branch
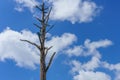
50,61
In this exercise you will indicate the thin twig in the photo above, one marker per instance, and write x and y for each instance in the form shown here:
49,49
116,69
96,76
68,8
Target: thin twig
38,8
50,28
47,17
37,25
39,19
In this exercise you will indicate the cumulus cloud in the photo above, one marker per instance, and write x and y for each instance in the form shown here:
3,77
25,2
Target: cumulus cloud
12,48
70,10
89,48
75,51
90,75
87,70
66,39
117,75
21,4
87,66
97,44
80,72
74,10
60,43
24,54
113,67
76,66
92,64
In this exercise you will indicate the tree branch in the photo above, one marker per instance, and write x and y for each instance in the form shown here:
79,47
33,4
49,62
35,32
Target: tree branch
49,28
39,36
38,8
47,17
37,25
47,50
50,61
39,19
31,43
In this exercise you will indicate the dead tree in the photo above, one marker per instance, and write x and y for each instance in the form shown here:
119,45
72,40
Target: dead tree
43,27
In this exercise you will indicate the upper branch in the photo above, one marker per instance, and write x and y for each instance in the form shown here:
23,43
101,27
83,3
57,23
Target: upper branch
37,25
48,15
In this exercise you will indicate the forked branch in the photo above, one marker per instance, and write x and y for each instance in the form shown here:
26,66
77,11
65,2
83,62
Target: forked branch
47,49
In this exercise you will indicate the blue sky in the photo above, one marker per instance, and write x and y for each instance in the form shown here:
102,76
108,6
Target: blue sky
91,35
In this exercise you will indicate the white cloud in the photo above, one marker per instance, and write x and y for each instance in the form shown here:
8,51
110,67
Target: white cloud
111,66
12,48
24,54
87,66
76,66
89,48
93,46
90,75
92,64
97,44
117,75
87,70
61,42
70,10
74,10
80,72
75,51
25,3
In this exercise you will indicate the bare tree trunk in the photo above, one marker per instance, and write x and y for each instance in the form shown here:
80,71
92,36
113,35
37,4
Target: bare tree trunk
42,56
42,69
45,13
42,50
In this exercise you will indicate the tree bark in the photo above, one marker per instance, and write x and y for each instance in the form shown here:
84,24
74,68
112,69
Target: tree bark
42,68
